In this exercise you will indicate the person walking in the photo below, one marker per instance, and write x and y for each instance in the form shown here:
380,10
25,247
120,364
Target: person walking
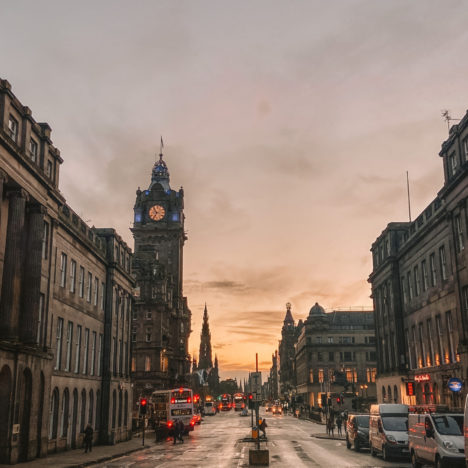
263,426
179,431
339,422
88,438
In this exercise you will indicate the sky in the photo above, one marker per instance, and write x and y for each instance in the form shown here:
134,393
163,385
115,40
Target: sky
290,125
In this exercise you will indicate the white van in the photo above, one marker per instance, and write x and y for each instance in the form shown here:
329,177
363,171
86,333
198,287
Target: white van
388,430
436,439
209,408
465,430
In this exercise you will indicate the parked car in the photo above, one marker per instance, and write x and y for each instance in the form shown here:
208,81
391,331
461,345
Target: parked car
357,431
436,439
268,407
388,430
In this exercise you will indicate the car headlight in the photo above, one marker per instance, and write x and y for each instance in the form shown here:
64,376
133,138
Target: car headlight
449,445
391,439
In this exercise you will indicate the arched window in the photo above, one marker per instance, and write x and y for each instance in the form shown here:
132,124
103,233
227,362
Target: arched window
389,394
114,403
83,411
384,395
395,394
98,409
64,413
125,408
53,414
91,407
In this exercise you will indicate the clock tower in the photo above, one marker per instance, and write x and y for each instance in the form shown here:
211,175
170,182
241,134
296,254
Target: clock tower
162,319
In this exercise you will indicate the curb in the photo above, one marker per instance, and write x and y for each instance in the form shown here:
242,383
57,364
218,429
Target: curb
326,436
109,457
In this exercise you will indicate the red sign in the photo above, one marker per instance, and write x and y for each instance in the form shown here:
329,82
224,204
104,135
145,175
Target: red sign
422,378
409,388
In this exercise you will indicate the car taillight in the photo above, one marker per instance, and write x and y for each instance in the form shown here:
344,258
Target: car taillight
172,401
170,423
192,423
189,400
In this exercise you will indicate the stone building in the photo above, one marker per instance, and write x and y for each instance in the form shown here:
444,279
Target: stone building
272,383
420,291
286,354
162,319
335,352
65,304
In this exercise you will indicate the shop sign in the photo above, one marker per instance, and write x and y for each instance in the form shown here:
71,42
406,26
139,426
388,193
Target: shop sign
410,388
422,378
455,384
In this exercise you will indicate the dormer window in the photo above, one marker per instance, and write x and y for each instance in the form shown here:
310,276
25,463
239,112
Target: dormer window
13,128
452,164
33,148
465,149
49,169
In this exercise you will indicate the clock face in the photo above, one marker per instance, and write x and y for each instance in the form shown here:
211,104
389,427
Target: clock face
157,212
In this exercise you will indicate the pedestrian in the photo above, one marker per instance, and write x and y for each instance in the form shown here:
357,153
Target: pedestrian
331,427
339,422
179,431
263,426
88,438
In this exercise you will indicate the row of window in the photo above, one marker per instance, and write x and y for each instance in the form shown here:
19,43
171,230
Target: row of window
148,365
33,148
351,374
419,280
88,349
345,356
63,415
85,283
340,340
427,346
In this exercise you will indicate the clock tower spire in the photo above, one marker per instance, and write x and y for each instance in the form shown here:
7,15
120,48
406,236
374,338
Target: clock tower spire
162,326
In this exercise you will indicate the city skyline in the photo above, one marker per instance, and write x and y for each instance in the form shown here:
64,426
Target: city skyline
290,128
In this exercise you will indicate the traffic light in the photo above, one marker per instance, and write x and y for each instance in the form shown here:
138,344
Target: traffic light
143,405
338,400
251,402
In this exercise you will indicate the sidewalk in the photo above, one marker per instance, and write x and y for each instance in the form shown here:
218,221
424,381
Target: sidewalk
79,459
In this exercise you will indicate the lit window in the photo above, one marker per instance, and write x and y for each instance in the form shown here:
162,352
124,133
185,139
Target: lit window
147,364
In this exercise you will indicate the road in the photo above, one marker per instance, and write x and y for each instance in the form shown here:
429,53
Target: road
217,442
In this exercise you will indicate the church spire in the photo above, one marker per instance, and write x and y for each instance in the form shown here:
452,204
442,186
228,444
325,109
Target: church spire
288,319
160,173
205,360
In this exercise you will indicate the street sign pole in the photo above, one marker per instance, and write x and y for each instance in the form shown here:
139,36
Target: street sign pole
257,404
